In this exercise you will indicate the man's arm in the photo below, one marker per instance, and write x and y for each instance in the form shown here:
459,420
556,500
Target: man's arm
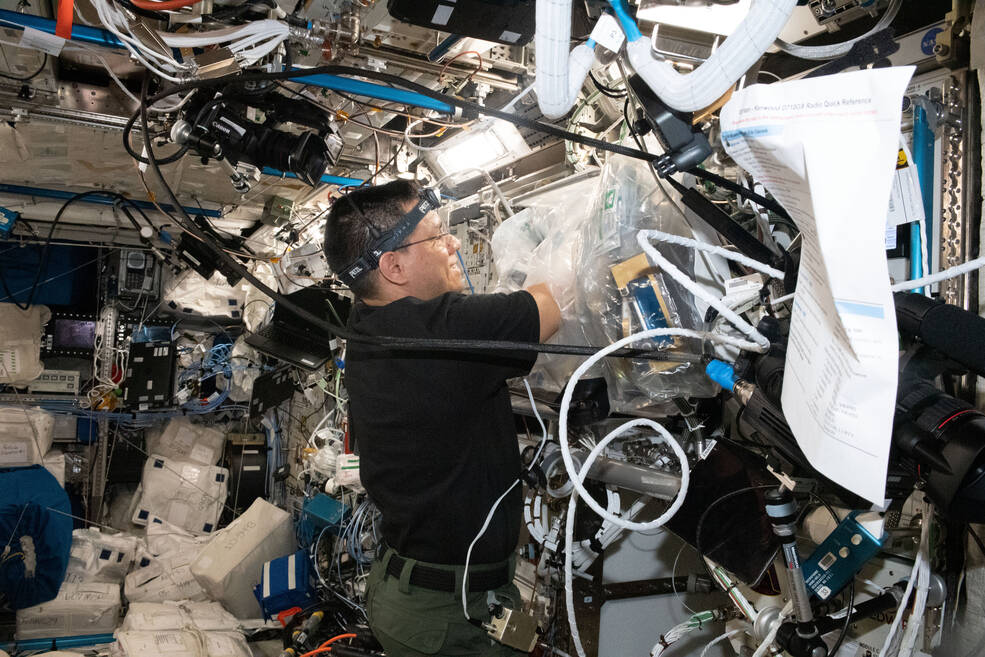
550,313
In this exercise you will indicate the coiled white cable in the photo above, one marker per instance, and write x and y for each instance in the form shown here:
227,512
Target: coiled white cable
577,477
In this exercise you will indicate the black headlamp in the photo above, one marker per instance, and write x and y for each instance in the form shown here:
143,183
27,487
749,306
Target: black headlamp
389,240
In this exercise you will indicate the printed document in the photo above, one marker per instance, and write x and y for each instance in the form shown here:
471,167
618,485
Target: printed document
826,148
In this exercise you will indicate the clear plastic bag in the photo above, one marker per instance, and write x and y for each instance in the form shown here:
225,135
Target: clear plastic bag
542,244
585,249
620,292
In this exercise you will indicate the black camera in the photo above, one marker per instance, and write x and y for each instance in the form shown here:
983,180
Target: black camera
220,128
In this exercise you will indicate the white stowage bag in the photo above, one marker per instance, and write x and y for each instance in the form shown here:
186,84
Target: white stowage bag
184,615
181,643
169,643
78,609
189,495
100,557
182,440
164,538
226,644
164,568
189,293
25,435
163,578
230,565
246,368
20,342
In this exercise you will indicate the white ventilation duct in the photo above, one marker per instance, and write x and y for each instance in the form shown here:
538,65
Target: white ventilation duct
560,74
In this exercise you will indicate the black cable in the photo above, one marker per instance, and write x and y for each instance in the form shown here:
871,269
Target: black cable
43,257
44,62
468,109
126,213
606,90
425,344
848,620
741,191
174,157
851,590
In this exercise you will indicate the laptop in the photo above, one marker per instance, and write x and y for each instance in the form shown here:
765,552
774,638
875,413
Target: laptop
291,339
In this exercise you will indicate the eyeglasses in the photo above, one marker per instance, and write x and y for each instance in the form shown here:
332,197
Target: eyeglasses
445,232
439,236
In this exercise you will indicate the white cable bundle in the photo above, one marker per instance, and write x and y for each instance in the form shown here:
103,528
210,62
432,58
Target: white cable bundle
673,635
120,357
249,43
760,344
920,580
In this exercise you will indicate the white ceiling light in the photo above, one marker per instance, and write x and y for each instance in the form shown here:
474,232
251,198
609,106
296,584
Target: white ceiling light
487,145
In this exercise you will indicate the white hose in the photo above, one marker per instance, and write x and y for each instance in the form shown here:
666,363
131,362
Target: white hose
670,238
718,640
838,49
761,343
712,79
560,74
944,275
579,477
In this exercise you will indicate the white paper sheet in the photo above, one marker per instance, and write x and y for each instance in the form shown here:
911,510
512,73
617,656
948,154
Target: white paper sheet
826,149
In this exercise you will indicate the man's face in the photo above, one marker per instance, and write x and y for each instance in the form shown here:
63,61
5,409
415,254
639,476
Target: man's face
430,255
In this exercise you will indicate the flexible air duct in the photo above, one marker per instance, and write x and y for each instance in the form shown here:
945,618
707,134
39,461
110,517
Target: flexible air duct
560,75
706,84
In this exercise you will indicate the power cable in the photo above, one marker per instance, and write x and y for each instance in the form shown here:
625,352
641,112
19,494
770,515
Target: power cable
468,110
44,62
606,90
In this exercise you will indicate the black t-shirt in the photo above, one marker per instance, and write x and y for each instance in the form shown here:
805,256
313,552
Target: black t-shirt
434,430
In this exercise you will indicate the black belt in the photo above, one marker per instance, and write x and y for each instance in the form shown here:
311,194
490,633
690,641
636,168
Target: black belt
439,579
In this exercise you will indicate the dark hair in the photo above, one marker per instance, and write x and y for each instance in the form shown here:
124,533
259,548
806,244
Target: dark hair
347,230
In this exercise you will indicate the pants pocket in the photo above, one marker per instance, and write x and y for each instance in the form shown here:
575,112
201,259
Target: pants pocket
395,615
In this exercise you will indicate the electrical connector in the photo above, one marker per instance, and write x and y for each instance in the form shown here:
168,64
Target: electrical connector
514,629
216,63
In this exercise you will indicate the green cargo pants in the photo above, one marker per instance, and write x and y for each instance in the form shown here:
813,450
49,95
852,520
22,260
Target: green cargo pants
411,621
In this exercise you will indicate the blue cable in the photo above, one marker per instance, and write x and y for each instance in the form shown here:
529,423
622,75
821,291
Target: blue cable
465,271
626,21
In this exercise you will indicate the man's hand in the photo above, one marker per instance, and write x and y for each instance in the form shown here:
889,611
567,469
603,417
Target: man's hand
550,313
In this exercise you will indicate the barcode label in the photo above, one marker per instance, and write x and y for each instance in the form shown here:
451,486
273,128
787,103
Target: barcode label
827,561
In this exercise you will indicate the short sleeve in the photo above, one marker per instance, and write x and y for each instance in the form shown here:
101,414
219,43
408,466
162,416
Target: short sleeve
506,317
513,317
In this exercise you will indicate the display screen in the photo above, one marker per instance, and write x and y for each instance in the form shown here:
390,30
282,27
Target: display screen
73,334
736,532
